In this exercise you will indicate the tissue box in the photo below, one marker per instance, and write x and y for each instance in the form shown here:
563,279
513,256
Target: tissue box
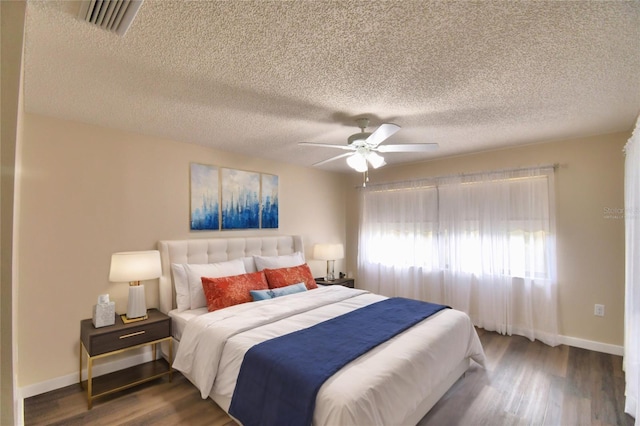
104,314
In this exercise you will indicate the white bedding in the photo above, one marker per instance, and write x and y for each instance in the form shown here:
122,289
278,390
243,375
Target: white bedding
384,386
179,320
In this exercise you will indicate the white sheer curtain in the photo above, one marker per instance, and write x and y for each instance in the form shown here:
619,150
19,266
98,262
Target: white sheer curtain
632,274
498,249
483,244
397,250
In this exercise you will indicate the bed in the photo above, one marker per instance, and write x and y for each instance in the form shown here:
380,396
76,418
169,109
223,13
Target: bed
395,383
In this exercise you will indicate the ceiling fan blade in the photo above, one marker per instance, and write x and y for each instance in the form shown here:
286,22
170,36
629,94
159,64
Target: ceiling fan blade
408,147
327,145
381,134
337,157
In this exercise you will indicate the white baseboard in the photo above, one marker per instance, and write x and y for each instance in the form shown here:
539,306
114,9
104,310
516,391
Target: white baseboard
18,419
591,345
98,370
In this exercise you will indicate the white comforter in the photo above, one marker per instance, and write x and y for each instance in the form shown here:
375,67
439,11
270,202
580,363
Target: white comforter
382,387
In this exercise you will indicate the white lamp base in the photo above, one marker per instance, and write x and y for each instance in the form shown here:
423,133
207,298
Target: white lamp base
136,306
330,275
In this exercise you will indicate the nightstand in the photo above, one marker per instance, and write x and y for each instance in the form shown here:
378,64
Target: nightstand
347,282
120,337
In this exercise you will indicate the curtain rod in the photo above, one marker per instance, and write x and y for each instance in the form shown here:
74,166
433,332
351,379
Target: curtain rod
553,166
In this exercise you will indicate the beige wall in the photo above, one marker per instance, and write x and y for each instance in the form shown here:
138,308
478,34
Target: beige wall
89,191
590,251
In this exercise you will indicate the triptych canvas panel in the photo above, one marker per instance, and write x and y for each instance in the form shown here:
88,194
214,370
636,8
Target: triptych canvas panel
227,199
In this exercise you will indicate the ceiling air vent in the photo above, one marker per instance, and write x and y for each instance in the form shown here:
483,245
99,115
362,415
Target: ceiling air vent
111,15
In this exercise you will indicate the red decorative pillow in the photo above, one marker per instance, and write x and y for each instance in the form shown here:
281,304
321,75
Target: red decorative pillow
233,290
283,277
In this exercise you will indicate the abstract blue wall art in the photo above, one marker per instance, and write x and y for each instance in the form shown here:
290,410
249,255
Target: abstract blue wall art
269,214
205,207
240,199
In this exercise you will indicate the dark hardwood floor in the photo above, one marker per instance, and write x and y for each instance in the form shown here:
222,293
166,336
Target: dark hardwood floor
531,383
524,383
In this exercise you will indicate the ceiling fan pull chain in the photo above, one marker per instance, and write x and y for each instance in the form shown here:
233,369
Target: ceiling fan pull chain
365,178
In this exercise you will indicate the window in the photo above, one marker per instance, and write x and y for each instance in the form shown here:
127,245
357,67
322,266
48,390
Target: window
484,244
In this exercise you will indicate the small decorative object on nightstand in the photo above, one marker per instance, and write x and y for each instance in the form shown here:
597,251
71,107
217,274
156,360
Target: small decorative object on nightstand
104,312
120,337
347,282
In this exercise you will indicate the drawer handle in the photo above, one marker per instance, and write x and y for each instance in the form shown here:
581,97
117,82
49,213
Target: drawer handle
137,333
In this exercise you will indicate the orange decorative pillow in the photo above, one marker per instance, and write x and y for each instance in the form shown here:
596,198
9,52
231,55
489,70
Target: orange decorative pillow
233,290
283,277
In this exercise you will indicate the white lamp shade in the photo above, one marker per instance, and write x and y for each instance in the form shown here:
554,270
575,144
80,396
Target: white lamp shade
328,251
135,266
357,162
376,159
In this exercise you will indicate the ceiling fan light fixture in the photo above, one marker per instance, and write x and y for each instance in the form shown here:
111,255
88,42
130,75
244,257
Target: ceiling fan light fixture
376,160
364,146
357,162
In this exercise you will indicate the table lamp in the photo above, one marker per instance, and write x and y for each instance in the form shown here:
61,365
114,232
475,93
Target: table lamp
133,267
330,253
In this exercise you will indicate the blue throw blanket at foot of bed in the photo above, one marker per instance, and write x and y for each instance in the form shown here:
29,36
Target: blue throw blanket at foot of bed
280,378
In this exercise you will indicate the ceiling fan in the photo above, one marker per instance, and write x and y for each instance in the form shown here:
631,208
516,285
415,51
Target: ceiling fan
364,147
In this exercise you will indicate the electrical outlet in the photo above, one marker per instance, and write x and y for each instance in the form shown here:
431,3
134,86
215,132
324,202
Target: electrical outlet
598,310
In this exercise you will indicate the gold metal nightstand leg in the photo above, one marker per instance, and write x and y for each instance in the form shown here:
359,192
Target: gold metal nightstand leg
80,369
170,360
89,383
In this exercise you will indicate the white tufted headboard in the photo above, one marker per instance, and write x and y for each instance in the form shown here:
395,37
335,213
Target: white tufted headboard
216,250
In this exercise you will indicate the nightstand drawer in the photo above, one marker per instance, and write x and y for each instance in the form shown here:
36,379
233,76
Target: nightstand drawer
126,338
121,336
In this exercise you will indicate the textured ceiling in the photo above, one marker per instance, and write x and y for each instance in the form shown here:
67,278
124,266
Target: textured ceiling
257,77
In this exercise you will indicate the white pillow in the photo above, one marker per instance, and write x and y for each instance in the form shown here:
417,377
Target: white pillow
195,272
181,284
249,264
276,262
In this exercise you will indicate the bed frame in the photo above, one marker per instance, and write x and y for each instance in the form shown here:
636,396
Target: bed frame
221,249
